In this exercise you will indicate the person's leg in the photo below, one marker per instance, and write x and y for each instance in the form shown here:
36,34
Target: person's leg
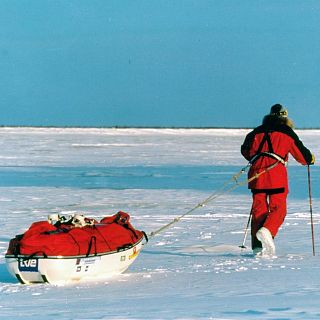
277,212
259,213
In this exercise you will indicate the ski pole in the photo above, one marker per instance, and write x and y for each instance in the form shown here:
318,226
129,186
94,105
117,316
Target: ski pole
311,216
246,232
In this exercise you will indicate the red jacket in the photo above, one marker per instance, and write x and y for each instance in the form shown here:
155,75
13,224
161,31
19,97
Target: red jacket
273,137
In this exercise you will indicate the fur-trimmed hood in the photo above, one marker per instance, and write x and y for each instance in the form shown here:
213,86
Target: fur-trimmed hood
273,120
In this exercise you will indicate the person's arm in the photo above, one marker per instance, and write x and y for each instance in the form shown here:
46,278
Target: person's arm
300,153
246,146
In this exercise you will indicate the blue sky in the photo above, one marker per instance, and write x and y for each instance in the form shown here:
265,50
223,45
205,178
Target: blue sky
158,62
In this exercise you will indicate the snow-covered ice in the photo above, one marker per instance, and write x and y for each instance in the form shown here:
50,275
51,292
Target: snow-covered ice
193,270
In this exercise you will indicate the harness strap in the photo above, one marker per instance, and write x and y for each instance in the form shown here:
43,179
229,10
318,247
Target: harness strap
266,138
270,153
276,156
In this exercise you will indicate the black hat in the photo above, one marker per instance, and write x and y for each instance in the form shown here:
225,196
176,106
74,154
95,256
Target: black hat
279,110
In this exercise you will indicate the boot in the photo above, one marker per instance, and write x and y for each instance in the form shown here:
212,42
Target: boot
268,247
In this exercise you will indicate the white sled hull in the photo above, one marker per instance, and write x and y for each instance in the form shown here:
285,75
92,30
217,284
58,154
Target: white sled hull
63,270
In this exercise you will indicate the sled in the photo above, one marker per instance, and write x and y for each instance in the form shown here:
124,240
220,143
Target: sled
69,251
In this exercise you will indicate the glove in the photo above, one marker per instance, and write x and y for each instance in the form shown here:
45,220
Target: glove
312,159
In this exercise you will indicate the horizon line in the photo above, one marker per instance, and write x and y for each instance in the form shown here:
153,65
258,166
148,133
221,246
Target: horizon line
138,127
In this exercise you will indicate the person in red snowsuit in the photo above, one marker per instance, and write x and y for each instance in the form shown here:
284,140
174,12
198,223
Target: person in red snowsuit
268,147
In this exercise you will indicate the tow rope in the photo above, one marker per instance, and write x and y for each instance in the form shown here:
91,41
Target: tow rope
223,190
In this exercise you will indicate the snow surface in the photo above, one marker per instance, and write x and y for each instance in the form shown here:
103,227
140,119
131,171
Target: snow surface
193,270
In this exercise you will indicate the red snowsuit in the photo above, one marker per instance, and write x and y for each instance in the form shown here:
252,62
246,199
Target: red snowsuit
266,145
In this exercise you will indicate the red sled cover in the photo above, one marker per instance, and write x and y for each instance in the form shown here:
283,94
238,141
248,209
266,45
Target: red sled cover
112,233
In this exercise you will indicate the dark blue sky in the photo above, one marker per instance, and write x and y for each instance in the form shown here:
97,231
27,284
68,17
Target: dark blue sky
158,62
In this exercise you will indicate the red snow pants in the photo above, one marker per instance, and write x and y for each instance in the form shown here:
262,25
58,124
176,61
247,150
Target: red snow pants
269,211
